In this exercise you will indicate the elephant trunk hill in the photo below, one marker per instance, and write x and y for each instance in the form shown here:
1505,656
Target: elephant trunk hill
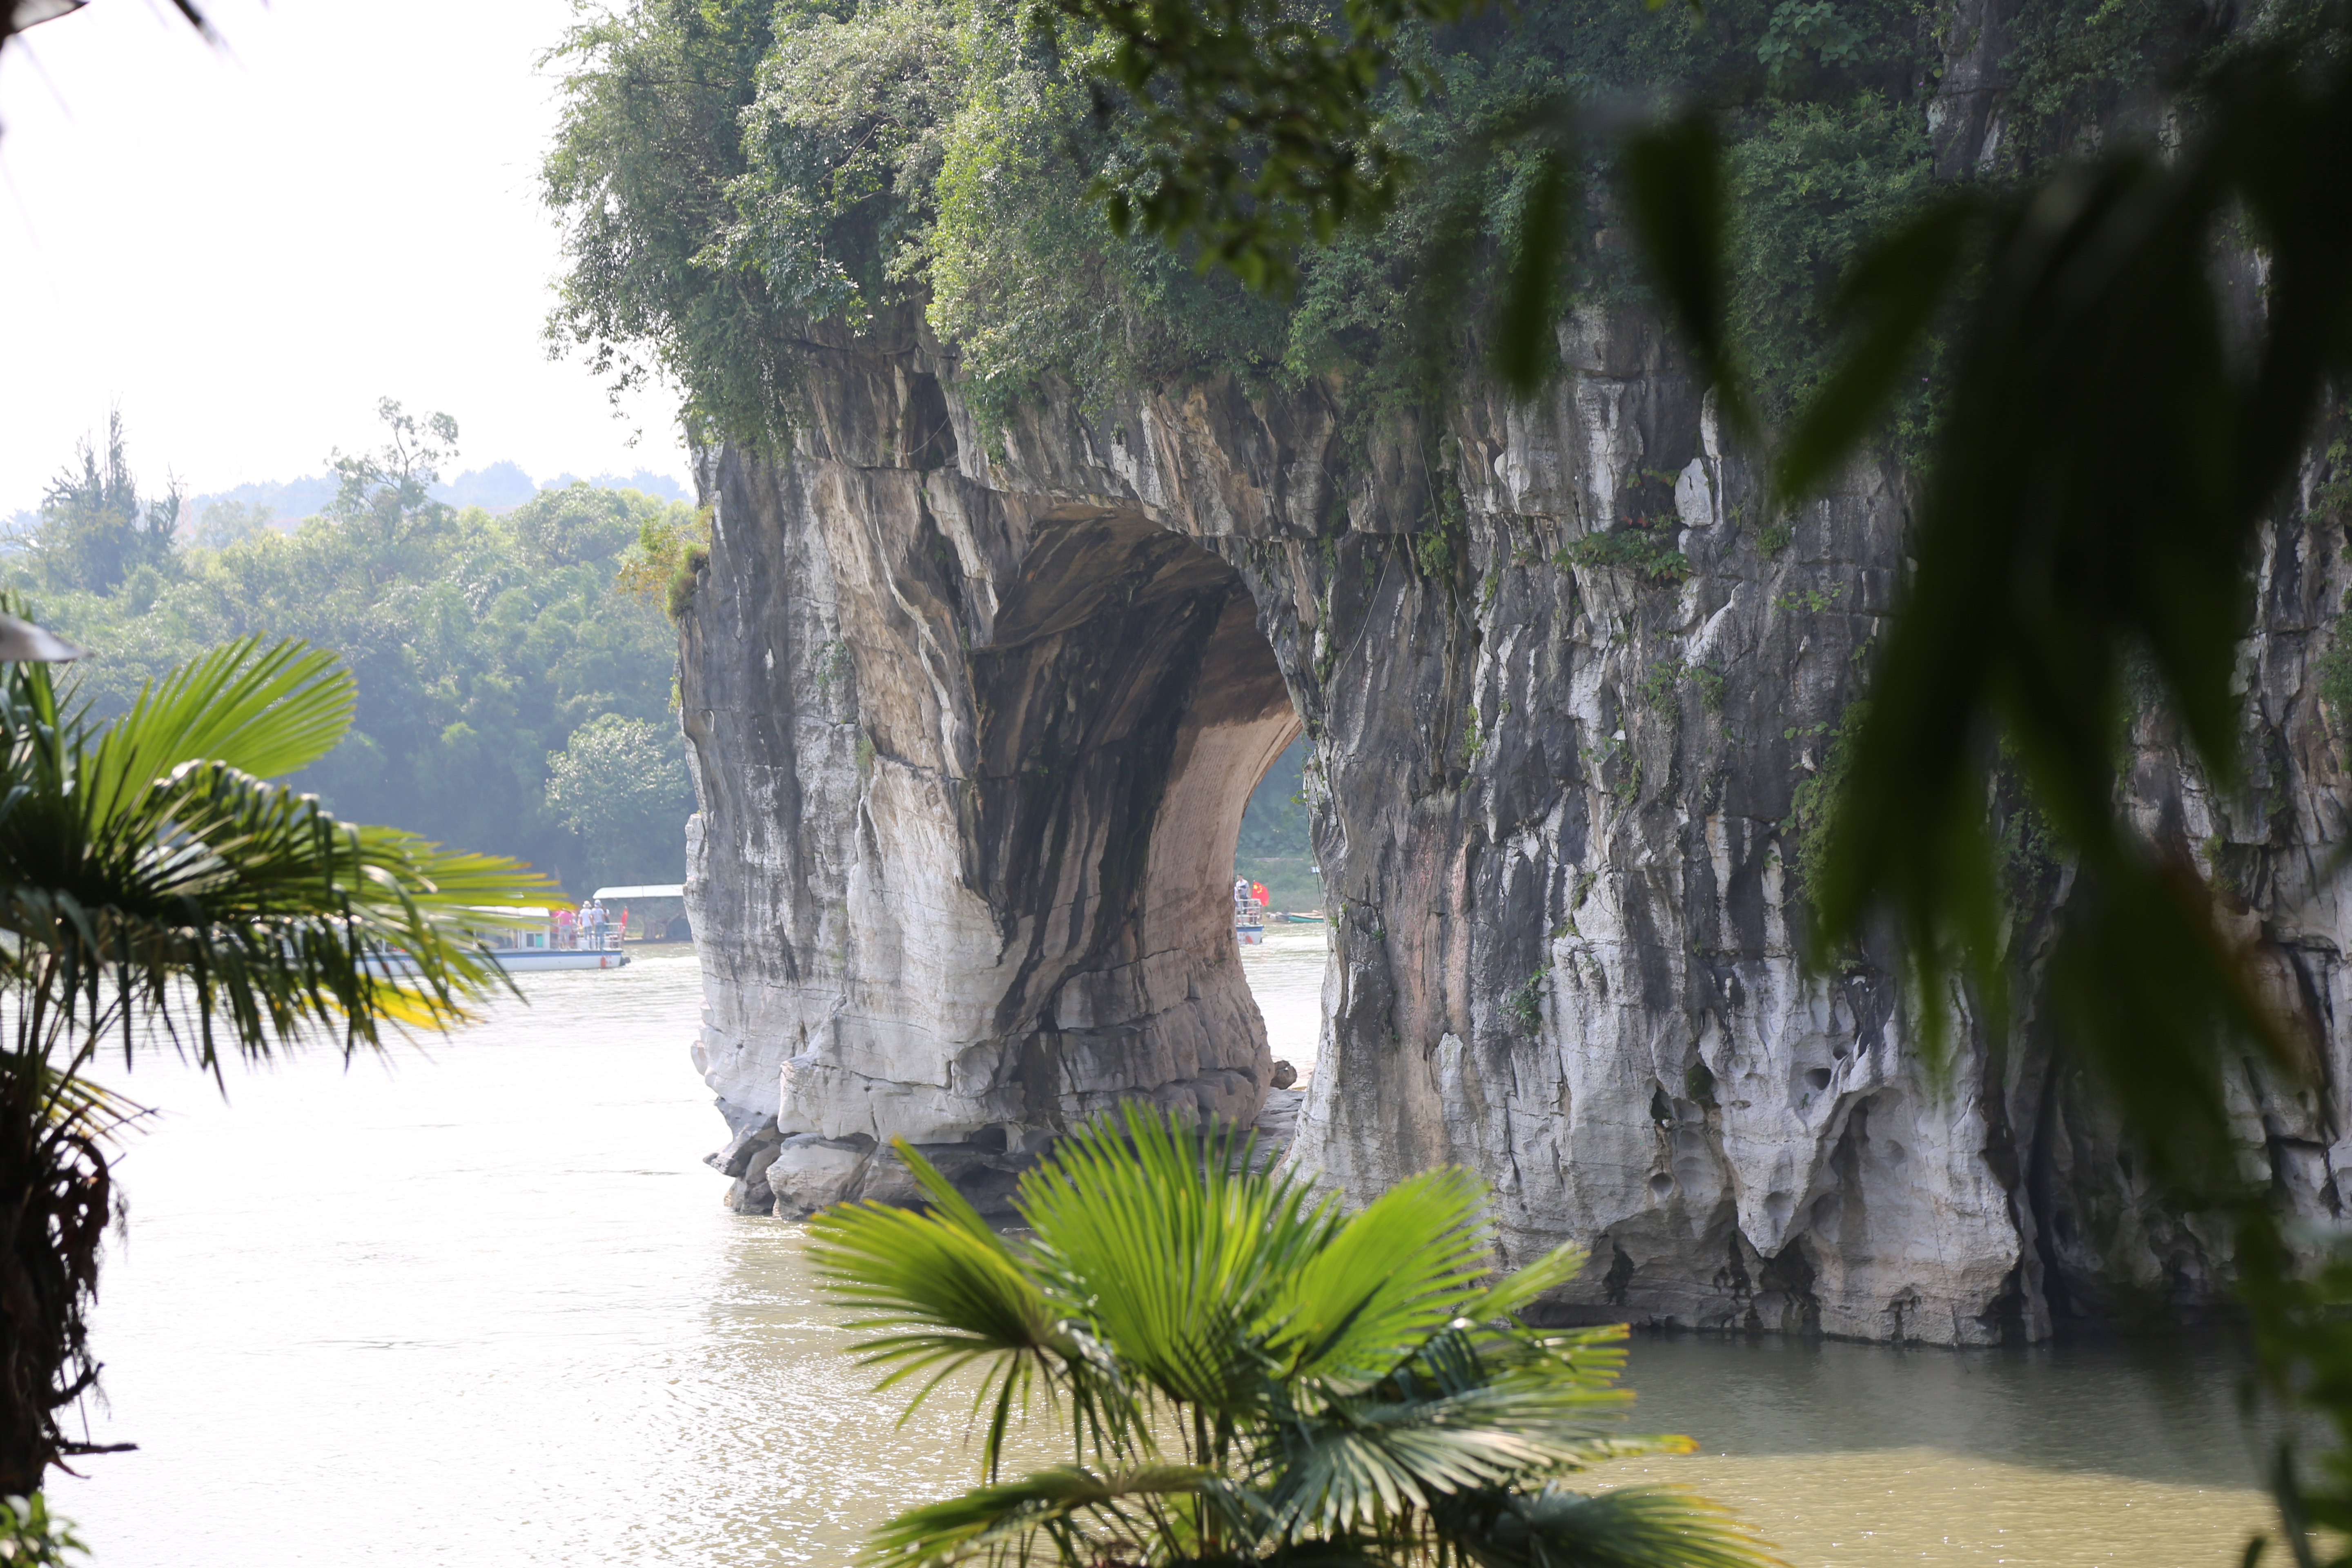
973,732
992,645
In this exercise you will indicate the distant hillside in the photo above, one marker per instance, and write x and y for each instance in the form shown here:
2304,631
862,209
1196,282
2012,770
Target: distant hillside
501,487
289,500
495,488
661,487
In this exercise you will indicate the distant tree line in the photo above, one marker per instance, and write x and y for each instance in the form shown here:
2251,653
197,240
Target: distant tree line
514,695
1277,847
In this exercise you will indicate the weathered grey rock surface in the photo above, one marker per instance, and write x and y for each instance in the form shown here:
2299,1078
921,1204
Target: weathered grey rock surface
972,733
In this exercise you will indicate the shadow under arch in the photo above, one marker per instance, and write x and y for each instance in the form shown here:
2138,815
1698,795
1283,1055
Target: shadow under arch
1129,703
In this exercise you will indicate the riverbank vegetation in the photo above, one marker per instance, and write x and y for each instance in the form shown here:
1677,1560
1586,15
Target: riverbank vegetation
511,691
1242,1375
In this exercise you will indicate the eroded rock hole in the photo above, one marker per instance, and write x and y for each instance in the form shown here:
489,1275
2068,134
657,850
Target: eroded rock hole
1132,706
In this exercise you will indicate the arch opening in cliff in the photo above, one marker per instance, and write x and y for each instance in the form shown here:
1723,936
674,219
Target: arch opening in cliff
1132,704
1018,902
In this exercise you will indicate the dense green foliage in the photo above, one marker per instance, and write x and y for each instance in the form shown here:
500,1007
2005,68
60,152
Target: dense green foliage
482,647
1244,1374
735,173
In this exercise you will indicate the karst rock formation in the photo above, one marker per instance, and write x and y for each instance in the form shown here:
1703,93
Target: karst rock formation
973,717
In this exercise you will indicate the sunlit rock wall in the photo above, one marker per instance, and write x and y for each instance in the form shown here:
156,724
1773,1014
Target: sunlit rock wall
973,731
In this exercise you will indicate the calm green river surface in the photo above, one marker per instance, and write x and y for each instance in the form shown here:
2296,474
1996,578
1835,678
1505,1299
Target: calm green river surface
480,1306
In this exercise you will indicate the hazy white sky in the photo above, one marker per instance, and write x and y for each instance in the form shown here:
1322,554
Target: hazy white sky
246,247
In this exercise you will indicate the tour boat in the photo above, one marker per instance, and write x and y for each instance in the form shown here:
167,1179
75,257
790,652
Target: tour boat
519,948
651,911
1249,921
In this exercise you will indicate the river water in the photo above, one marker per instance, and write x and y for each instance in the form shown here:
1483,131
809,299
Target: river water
480,1306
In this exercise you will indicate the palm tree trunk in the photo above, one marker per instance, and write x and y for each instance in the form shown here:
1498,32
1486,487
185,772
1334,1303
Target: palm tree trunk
56,1198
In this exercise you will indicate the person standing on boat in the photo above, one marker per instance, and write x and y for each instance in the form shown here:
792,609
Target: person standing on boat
1241,891
564,925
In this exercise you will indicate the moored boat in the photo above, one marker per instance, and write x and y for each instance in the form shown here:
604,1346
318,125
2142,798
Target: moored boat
518,945
648,911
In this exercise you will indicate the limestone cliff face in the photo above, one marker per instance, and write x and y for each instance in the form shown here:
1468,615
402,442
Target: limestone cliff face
972,732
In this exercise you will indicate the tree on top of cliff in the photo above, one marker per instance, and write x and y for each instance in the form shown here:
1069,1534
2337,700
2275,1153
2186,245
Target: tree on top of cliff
738,182
1244,1375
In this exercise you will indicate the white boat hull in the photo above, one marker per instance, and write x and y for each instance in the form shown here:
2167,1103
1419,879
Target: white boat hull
517,960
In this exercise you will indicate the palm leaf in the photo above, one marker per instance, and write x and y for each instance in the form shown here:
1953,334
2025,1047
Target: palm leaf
1357,1462
1631,1526
1001,1523
1514,1293
1391,1277
1176,1253
264,709
204,900
949,1296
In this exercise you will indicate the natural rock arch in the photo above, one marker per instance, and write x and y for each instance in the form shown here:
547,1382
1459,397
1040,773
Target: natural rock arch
1555,788
1035,917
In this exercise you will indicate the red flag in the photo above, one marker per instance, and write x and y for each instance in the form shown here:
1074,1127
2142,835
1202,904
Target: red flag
1257,891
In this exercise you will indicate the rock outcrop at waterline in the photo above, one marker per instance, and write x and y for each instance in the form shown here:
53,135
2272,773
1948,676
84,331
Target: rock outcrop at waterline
974,726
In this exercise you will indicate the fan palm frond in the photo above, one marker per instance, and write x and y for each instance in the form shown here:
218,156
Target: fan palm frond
1352,1393
1355,1462
1516,1291
1084,1517
259,708
1391,1277
1181,1256
147,879
1631,1526
950,1296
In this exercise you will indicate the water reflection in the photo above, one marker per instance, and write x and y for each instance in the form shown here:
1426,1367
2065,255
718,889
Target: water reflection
2168,1414
1860,1455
